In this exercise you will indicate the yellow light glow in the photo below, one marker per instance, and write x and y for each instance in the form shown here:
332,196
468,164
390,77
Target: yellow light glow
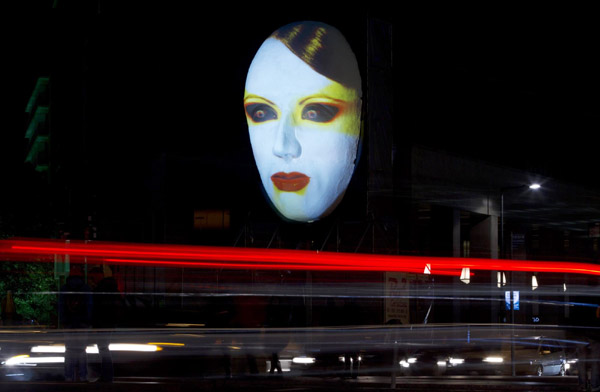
167,344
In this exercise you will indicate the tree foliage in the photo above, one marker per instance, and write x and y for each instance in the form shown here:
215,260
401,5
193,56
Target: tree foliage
33,288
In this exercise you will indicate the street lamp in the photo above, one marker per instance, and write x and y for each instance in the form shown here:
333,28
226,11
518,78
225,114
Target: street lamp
534,187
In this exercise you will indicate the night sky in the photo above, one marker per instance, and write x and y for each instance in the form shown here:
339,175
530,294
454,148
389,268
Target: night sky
515,87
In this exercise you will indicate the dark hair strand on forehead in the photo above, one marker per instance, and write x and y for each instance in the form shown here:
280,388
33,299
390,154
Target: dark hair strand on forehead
323,48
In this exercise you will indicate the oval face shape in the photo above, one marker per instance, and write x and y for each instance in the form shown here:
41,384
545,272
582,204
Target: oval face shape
304,129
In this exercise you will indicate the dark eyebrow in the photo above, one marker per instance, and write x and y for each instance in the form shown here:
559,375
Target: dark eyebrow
322,96
256,96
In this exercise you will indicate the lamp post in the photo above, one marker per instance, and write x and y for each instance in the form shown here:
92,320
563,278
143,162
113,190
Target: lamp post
503,256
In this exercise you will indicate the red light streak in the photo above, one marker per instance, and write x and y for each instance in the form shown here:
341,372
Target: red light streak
271,266
186,256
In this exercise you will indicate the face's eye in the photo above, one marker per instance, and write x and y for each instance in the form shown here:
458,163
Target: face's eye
260,112
319,112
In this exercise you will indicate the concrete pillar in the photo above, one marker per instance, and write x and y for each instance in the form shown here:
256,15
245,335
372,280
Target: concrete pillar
484,243
456,233
484,238
456,283
493,237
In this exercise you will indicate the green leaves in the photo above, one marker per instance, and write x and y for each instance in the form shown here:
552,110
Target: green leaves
33,286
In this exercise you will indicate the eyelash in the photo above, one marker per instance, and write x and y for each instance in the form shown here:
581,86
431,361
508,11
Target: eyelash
260,112
320,112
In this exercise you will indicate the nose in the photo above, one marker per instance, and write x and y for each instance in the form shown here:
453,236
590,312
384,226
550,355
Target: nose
287,145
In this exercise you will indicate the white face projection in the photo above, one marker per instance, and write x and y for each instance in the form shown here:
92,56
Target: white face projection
304,129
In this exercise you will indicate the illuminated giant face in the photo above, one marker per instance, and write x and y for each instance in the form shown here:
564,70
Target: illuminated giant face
304,129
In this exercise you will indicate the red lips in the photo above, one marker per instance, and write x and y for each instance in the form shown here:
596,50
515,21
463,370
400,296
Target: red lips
290,182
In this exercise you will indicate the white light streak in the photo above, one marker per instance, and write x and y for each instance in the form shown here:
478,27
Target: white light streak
303,360
133,347
48,349
26,360
493,359
456,361
94,349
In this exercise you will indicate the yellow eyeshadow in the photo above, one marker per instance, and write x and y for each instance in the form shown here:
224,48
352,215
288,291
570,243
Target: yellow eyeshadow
250,99
348,121
256,98
347,99
339,92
